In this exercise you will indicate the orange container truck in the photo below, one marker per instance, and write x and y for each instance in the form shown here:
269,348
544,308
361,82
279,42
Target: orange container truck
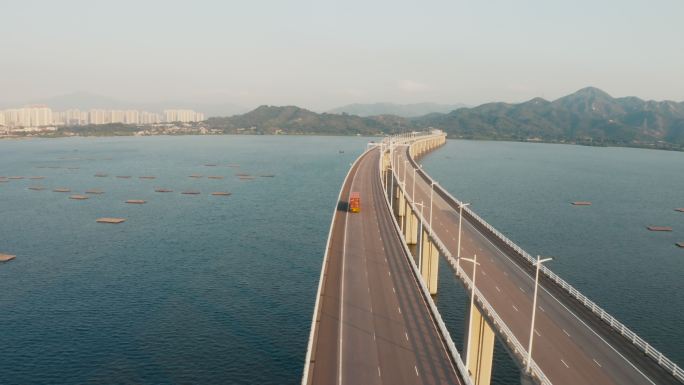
354,202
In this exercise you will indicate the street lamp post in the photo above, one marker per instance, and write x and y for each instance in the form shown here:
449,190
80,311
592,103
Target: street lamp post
392,167
460,220
413,193
472,303
534,311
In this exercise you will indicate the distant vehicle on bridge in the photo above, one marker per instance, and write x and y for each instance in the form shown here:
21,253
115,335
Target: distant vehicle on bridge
354,202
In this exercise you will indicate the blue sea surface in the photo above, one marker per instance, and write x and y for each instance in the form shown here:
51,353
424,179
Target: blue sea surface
190,289
213,289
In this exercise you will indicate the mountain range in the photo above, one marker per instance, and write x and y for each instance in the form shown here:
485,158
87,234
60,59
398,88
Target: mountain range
588,116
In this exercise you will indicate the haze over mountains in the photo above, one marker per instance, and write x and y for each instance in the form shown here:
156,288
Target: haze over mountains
86,101
403,110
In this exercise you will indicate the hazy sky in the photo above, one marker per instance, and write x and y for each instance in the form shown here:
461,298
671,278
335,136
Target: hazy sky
321,54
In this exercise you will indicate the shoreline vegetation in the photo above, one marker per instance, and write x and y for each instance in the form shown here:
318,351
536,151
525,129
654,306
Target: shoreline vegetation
589,117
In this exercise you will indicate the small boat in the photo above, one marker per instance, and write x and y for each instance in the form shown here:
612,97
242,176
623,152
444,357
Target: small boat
581,203
110,220
659,228
246,177
6,257
681,210
680,244
15,177
37,177
79,197
136,201
36,188
94,191
221,193
190,192
196,176
267,176
162,190
61,189
210,165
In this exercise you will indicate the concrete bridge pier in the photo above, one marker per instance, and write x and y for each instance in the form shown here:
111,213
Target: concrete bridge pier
401,206
429,262
480,348
411,232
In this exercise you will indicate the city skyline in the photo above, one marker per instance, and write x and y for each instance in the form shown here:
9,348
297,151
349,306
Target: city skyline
33,116
325,54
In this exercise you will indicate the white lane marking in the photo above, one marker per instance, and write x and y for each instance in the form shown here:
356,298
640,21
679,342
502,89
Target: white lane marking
506,273
472,228
566,365
542,309
516,309
497,289
394,291
373,336
379,375
398,308
406,335
597,363
566,333
537,333
388,273
371,308
483,273
344,255
521,289
416,368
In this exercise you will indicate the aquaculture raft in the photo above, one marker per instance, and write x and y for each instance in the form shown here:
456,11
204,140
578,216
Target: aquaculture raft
61,189
221,193
136,201
79,197
110,220
581,203
659,228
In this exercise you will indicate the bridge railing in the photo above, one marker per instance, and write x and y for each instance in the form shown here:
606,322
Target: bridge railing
616,325
446,336
509,338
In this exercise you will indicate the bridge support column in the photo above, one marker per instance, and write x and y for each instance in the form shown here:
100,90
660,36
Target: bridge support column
429,263
411,233
401,205
480,339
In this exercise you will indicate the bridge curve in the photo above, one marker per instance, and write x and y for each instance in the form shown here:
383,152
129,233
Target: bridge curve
374,321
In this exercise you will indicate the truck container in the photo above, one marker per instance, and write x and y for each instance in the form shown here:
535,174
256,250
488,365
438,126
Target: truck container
354,202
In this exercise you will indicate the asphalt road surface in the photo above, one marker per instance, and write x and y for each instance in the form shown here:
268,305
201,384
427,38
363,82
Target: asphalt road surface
375,327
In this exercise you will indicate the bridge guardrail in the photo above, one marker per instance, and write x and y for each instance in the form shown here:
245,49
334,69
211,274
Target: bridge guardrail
509,338
616,325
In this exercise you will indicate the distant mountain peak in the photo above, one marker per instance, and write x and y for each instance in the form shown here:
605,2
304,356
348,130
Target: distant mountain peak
591,92
402,110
